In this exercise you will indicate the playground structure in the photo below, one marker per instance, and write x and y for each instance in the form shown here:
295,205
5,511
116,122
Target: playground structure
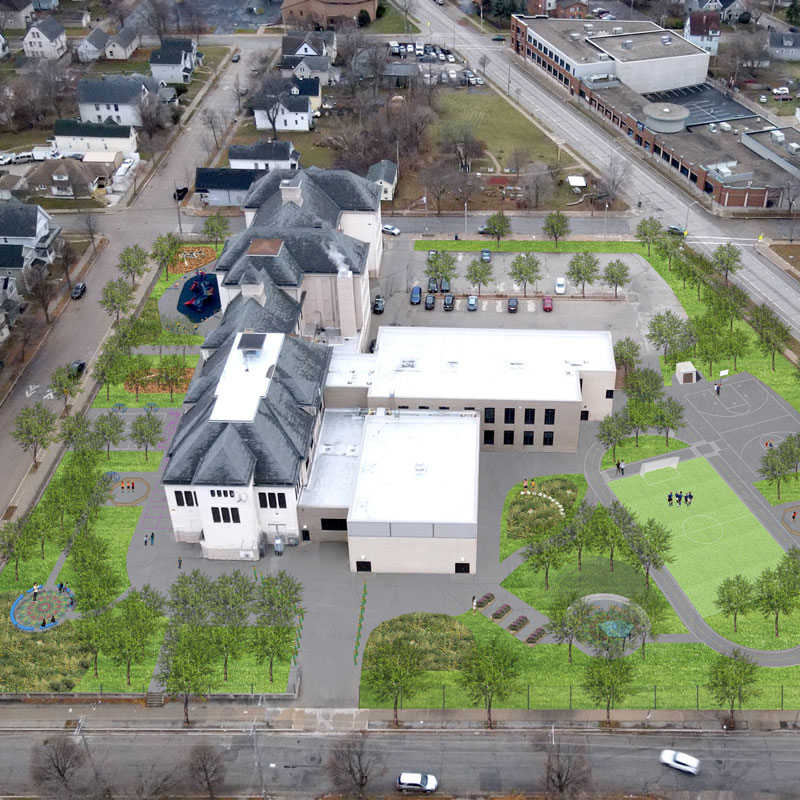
203,290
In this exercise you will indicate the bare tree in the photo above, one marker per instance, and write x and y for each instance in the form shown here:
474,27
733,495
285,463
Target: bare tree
609,184
89,224
518,159
437,183
27,327
464,186
51,77
58,767
24,106
205,767
119,10
63,258
464,145
148,783
259,62
192,19
153,116
353,764
274,90
751,50
536,186
407,8
484,62
158,15
213,119
38,285
566,770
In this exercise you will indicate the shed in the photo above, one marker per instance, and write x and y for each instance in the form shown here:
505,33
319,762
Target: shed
686,373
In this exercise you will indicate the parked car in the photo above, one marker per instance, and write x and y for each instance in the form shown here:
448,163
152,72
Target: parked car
479,80
498,38
430,302
378,304
680,761
472,303
372,345
547,304
484,229
77,368
391,230
433,285
513,305
561,286
451,58
416,782
762,98
676,230
444,286
449,302
432,253
416,296
6,158
486,255
780,90
180,193
473,81
22,158
236,58
78,291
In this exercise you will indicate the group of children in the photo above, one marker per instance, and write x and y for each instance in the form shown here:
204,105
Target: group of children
127,486
680,497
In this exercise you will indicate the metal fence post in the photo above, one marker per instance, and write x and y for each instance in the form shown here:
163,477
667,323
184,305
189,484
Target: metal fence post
570,697
442,697
697,689
655,696
740,698
529,697
781,697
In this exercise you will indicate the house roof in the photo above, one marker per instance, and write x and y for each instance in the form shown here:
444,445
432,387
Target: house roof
18,219
264,151
108,129
294,40
126,37
184,45
16,5
382,171
703,23
97,38
307,86
169,55
49,27
122,89
268,449
296,103
11,256
315,63
778,40
78,173
225,178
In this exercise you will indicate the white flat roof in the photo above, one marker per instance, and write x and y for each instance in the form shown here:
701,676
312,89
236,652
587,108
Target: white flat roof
245,379
469,363
334,471
418,466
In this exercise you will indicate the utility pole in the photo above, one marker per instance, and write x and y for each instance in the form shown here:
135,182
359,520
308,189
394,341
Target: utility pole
178,207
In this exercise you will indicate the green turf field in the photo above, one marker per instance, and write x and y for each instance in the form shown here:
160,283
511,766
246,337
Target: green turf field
715,538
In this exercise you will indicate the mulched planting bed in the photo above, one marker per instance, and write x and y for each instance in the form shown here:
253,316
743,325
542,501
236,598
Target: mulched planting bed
190,258
154,387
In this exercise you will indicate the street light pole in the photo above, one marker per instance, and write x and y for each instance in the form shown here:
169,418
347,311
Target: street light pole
178,207
465,219
605,224
686,225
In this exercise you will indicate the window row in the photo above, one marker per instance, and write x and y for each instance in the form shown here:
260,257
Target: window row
527,438
186,498
222,493
510,415
225,514
272,500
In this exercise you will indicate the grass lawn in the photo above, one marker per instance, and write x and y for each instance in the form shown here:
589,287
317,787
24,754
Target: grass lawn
496,122
33,570
677,671
510,544
66,203
595,577
391,22
115,526
138,63
246,674
755,630
649,446
304,142
715,538
24,140
111,677
790,491
127,460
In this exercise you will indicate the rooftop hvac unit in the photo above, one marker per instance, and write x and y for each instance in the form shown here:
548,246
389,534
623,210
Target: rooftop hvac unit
778,136
587,26
725,126
616,30
666,40
793,148
602,56
575,36
627,44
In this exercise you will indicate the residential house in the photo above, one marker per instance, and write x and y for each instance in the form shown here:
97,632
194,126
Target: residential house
93,46
11,305
310,67
242,451
16,13
46,38
174,62
11,185
309,43
3,46
68,177
326,14
310,88
45,5
27,236
291,113
559,9
72,136
224,187
118,98
79,18
384,174
703,29
729,10
122,46
784,46
266,155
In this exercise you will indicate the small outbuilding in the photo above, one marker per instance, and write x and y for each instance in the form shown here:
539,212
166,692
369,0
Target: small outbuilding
686,373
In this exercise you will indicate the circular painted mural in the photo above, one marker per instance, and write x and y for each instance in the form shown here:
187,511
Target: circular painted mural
28,615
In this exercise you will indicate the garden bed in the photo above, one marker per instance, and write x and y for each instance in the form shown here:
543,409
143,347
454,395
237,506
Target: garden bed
192,257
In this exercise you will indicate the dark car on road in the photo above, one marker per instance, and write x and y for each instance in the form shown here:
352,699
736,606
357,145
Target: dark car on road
78,291
676,230
486,255
77,367
416,296
449,302
378,304
180,193
498,38
513,305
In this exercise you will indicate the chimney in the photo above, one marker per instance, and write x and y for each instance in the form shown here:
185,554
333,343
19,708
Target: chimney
291,190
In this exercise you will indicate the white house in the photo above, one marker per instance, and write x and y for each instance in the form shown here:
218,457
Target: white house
72,136
3,46
310,67
93,46
220,186
10,305
46,38
384,174
241,452
703,29
291,113
122,46
115,98
27,236
266,155
175,61
17,13
308,43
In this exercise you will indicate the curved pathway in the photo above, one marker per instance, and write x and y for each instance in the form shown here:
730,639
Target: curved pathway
726,445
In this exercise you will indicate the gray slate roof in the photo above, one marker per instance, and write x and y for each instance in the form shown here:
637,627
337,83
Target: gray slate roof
108,130
123,89
225,178
49,27
307,86
98,38
166,56
382,171
126,36
18,219
264,151
291,102
294,40
315,63
779,40
11,256
270,449
16,5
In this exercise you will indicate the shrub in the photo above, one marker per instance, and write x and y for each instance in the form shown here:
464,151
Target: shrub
501,611
363,18
534,637
380,11
485,600
519,623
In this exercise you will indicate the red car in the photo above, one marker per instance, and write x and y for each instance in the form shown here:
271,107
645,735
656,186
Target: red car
547,304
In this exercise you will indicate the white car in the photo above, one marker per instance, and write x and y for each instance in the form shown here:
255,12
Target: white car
680,761
762,98
451,59
416,782
391,230
561,286
479,80
780,90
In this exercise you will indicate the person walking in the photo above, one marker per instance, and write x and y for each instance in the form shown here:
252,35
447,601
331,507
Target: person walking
689,498
669,499
525,485
145,540
717,388
794,516
35,591
678,497
474,605
133,485
152,538
617,472
180,561
622,467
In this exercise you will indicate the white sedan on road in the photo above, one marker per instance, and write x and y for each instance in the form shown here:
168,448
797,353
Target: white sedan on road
680,761
391,230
